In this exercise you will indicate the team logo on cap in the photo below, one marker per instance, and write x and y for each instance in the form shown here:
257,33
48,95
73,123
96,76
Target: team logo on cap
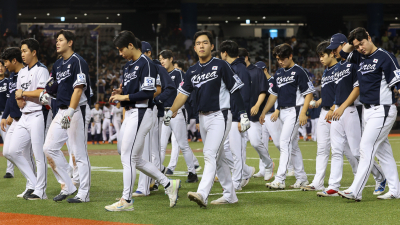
331,40
375,60
136,67
215,68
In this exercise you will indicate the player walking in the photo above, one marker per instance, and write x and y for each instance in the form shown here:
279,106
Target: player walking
96,114
106,121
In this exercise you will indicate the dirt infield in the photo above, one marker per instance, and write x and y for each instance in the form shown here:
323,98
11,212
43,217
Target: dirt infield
16,218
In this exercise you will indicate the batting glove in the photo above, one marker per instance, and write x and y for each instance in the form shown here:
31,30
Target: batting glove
44,97
66,119
167,117
244,122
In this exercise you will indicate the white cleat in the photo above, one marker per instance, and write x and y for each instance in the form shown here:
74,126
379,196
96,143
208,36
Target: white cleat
198,198
121,205
311,188
269,173
299,184
221,201
197,168
275,185
21,195
172,192
259,174
290,173
328,193
246,181
386,196
138,194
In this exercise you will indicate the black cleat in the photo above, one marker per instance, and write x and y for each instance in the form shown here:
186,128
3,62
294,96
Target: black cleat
74,200
28,193
192,178
60,197
154,188
169,172
8,175
32,197
164,170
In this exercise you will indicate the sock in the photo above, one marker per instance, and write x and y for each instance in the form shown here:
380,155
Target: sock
128,201
169,183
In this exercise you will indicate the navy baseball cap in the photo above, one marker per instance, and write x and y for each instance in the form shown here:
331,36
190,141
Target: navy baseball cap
261,65
336,40
145,46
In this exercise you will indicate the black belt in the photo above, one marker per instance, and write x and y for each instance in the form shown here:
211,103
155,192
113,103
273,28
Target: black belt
17,118
326,108
286,107
368,106
63,107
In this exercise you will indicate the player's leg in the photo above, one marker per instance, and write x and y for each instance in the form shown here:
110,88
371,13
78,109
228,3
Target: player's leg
10,165
143,188
120,136
235,145
165,134
174,154
298,166
93,132
105,125
248,171
98,132
228,154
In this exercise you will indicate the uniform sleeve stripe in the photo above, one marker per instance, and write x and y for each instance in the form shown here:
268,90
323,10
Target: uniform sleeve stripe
235,87
272,92
180,89
308,91
393,82
148,63
349,57
79,61
230,67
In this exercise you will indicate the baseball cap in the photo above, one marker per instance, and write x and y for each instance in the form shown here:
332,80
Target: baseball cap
260,65
145,46
336,40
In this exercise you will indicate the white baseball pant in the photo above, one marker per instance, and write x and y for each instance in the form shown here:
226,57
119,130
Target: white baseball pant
314,128
10,165
117,125
178,127
136,125
175,154
303,131
192,125
105,126
214,128
255,136
30,131
346,135
378,121
96,129
77,141
289,145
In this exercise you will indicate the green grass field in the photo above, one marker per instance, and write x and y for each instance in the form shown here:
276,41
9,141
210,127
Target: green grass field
257,204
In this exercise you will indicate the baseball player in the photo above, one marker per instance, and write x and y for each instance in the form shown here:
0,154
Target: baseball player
69,85
4,94
215,83
12,113
137,89
106,121
290,79
96,114
31,126
269,128
116,116
378,74
178,123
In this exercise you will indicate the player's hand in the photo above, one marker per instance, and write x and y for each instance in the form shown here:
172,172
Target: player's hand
303,119
111,124
275,116
21,103
167,117
262,119
66,119
198,127
117,91
44,97
244,122
254,110
337,114
3,124
328,116
18,94
9,120
318,103
117,97
239,127
174,115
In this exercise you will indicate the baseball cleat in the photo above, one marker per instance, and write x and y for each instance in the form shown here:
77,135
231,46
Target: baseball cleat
216,179
259,174
8,175
386,196
328,193
198,198
32,197
28,192
21,195
311,188
269,173
172,191
61,196
154,188
380,187
169,172
197,168
246,181
121,205
348,194
192,178
75,199
138,194
275,185
220,201
290,173
299,184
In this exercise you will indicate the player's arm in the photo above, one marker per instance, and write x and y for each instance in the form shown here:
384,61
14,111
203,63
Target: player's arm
318,103
256,107
76,96
352,97
157,92
179,102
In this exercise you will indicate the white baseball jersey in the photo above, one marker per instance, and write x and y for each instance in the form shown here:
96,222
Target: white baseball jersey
116,113
31,80
106,112
96,115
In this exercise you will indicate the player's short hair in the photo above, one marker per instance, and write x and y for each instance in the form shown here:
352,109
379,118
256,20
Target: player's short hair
216,54
321,48
230,47
124,38
203,32
32,44
358,34
139,43
180,63
282,51
69,36
1,62
243,53
12,53
166,54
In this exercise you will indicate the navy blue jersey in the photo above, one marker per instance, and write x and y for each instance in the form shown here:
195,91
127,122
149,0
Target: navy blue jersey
139,75
4,93
12,108
167,87
378,73
259,85
70,73
328,87
291,86
177,77
271,83
345,81
239,66
213,82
